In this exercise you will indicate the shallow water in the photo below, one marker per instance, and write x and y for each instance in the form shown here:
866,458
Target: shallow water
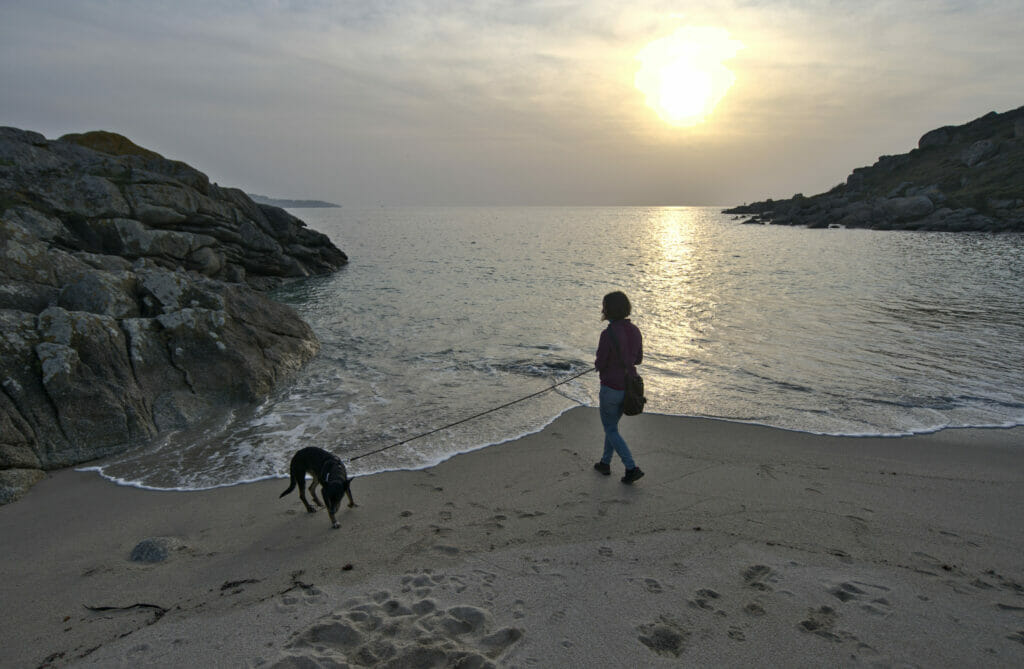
444,313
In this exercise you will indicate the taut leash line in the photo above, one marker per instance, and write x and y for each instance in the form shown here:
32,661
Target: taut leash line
482,413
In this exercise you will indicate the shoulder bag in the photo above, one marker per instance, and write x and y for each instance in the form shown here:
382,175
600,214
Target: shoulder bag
634,400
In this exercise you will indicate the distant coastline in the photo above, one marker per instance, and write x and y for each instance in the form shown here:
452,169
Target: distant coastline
291,204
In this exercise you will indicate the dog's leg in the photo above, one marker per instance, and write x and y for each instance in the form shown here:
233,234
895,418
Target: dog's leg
312,491
334,521
302,493
351,502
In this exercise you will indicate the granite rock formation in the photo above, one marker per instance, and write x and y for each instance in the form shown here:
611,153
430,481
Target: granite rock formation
131,299
959,178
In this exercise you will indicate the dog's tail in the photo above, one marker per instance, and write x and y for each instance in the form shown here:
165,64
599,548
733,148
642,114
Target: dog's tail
290,488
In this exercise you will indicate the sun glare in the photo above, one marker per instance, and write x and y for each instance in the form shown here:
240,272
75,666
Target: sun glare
683,76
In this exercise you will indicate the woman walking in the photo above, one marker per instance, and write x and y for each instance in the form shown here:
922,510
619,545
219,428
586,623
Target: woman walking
619,350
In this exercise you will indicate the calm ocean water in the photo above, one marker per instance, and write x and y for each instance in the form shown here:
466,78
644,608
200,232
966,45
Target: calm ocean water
446,312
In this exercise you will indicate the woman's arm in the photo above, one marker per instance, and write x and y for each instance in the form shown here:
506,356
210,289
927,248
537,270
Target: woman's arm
601,361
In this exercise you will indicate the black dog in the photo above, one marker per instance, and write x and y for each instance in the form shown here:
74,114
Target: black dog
328,472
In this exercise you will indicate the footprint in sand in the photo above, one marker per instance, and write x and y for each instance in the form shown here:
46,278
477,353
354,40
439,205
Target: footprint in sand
1005,583
754,609
383,629
844,592
651,585
519,609
664,637
935,564
447,550
822,622
870,594
704,599
138,653
1008,607
843,556
756,575
487,577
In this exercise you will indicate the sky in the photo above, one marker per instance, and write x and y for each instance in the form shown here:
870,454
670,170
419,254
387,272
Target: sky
428,102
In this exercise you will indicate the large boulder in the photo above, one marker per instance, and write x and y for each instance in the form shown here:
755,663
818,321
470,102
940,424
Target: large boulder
907,208
937,137
979,151
130,299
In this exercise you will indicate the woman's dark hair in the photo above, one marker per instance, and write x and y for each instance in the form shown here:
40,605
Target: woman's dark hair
615,306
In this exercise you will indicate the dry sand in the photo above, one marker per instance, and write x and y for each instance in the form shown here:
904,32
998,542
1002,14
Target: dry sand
743,546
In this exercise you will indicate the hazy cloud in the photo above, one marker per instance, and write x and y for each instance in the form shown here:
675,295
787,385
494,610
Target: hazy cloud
502,102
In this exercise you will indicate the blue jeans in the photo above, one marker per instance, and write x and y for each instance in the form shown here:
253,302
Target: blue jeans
611,412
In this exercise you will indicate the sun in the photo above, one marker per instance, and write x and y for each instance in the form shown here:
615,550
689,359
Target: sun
683,76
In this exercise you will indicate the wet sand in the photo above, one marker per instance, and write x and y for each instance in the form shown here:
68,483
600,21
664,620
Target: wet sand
743,546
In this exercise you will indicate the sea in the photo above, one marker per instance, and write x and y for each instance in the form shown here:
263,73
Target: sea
454,329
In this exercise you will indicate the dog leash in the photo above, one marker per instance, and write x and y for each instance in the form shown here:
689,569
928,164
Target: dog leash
482,413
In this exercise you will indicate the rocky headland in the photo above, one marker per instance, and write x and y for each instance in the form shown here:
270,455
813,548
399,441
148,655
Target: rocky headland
131,299
292,204
959,178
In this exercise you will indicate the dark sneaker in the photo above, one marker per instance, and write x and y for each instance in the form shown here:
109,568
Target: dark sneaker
603,468
633,474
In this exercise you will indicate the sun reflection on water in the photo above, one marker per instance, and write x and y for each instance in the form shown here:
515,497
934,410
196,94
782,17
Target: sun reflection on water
679,313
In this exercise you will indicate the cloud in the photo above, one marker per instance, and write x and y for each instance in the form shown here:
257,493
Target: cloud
419,101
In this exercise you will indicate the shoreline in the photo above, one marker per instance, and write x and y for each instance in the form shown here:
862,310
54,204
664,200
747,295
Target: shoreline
743,544
97,469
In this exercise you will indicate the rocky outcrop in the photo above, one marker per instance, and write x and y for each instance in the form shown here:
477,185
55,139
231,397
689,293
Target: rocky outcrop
293,204
130,299
959,178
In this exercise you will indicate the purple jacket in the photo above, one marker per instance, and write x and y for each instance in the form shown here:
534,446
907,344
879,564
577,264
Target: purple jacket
631,345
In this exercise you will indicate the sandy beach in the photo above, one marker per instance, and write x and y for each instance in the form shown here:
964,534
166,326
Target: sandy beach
743,546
